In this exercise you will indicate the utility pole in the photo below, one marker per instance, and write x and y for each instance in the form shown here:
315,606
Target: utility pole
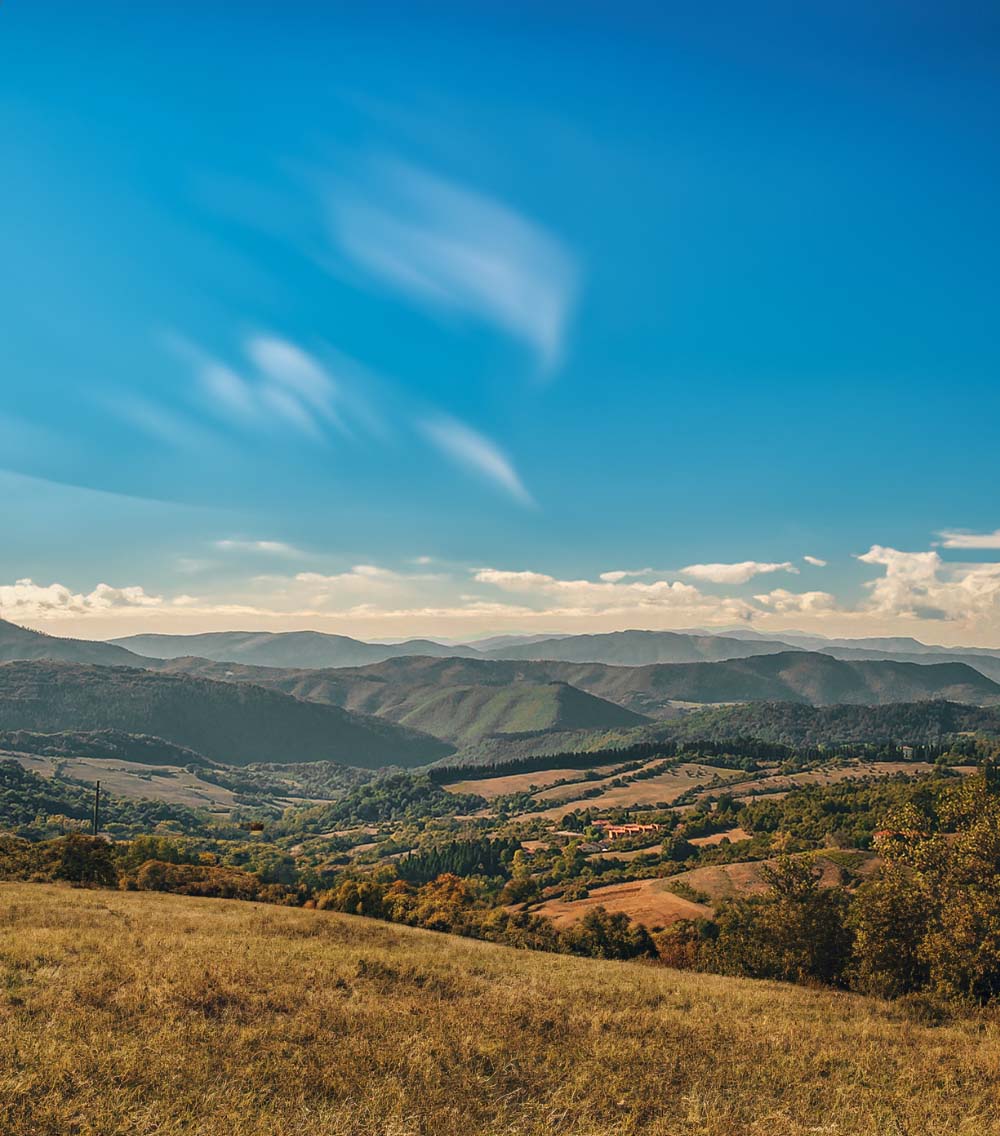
97,808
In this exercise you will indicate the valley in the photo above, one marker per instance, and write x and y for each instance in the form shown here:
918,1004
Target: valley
523,801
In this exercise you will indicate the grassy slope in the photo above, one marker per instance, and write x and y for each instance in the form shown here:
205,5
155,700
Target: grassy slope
442,698
468,714
135,1013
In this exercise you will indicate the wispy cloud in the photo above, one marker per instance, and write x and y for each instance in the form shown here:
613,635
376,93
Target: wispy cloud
450,248
270,547
476,453
735,573
625,574
814,561
278,383
952,538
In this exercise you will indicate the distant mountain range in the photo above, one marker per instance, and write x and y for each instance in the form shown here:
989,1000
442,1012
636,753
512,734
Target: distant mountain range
445,696
19,643
315,649
637,648
419,700
283,648
235,724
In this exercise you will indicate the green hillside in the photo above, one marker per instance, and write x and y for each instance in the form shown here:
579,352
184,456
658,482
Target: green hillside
117,744
21,643
468,714
420,693
236,724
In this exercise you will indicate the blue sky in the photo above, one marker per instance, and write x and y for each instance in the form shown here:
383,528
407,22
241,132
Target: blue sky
393,319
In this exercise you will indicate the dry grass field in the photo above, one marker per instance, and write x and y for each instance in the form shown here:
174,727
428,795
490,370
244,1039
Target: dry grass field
490,787
780,784
733,835
136,1014
648,902
666,787
653,903
169,783
725,881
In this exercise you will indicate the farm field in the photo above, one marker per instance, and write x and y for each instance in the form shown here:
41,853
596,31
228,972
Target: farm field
784,783
654,904
625,857
728,881
491,787
220,1018
169,783
648,902
666,787
733,835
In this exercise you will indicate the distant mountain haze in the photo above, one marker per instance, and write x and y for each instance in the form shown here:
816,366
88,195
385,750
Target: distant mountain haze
21,643
314,649
637,648
440,695
283,648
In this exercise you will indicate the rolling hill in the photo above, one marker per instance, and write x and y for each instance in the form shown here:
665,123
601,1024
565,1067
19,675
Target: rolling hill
796,724
469,701
457,700
638,648
235,724
140,1012
142,749
794,676
282,649
20,643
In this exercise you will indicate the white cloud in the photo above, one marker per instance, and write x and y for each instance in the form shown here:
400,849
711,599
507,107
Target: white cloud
954,539
783,602
735,573
475,452
814,561
643,600
619,575
270,547
453,249
24,599
921,585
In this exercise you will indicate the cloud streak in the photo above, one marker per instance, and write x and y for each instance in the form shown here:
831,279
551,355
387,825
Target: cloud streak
476,453
451,249
952,538
269,547
278,384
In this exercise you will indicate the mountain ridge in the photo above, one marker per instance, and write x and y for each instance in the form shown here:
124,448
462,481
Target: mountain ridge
237,724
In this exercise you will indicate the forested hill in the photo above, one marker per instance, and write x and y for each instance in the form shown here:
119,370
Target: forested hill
236,724
793,724
117,744
22,643
282,648
639,648
793,676
459,700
